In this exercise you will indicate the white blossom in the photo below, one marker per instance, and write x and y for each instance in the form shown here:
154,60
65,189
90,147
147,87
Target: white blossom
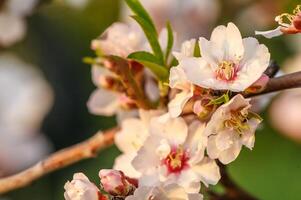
12,20
80,188
130,139
231,127
228,62
174,153
179,81
169,192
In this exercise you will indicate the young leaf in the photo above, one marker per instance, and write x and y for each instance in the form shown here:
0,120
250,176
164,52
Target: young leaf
197,50
151,36
151,62
139,10
170,41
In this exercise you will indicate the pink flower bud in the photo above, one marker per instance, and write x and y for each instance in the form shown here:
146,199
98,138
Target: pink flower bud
259,85
80,188
115,182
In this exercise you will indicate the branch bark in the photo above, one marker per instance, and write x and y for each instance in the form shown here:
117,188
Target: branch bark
277,84
58,160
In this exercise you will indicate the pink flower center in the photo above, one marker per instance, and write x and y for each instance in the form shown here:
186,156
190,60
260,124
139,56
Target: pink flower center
226,71
176,160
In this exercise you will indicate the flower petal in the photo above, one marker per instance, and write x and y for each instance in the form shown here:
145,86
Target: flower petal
270,34
103,102
176,105
208,171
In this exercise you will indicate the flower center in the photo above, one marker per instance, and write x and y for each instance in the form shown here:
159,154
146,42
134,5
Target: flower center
238,121
176,160
226,71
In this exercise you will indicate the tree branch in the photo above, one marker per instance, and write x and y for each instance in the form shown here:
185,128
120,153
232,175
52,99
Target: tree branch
277,84
58,160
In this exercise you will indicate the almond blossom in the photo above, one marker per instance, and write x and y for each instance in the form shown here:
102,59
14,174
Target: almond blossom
130,139
178,80
174,153
228,62
231,126
80,188
169,192
104,101
288,24
12,20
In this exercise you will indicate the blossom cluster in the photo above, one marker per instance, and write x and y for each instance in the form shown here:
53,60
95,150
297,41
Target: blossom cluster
182,115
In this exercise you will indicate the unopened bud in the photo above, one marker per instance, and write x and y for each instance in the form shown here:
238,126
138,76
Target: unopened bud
202,108
259,85
116,183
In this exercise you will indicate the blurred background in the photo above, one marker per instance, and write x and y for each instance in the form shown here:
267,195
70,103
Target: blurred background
44,87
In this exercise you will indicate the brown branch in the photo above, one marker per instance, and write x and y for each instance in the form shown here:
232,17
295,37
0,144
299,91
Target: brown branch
58,160
277,84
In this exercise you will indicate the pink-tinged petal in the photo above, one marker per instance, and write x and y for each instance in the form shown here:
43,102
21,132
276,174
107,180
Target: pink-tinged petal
98,74
225,139
103,102
176,105
141,193
208,171
175,130
124,164
270,34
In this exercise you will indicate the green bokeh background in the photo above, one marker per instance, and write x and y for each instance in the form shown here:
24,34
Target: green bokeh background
57,40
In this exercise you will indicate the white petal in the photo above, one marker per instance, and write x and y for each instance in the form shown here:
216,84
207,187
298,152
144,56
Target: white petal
141,193
211,53
98,72
234,43
175,130
189,180
208,171
224,140
187,50
212,150
229,155
132,135
146,159
196,141
124,164
177,78
176,105
198,72
103,102
270,34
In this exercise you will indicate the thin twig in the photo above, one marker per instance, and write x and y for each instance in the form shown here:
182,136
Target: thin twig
58,160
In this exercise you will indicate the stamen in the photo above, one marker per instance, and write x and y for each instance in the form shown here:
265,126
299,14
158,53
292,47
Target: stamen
226,71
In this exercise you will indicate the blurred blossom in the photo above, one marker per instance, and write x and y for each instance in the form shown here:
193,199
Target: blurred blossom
265,10
288,104
12,22
25,99
197,16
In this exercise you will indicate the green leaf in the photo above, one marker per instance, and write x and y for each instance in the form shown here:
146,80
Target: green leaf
170,41
151,62
139,10
144,55
197,50
220,100
152,37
